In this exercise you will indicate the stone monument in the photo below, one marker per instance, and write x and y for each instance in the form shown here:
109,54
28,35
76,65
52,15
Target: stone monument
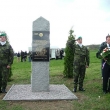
40,55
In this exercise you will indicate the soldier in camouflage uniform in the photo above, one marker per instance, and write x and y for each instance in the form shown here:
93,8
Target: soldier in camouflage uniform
81,62
6,60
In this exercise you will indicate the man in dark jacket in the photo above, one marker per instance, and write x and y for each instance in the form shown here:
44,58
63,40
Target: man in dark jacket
106,66
97,54
22,56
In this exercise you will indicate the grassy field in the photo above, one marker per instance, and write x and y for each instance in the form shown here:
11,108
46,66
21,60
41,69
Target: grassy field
88,100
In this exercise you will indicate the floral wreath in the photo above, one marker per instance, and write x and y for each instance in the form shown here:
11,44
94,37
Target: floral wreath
106,55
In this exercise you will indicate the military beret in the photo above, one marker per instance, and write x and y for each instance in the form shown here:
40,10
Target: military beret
3,34
79,38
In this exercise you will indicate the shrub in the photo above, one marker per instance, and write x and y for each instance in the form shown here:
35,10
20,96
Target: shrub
69,55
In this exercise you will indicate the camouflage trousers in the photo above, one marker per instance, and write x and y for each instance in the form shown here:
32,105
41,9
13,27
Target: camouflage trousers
4,72
79,75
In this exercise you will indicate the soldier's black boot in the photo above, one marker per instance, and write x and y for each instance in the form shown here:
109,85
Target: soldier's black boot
105,92
81,89
0,91
108,90
75,89
4,90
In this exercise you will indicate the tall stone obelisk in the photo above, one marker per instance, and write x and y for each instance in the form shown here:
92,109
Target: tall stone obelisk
40,55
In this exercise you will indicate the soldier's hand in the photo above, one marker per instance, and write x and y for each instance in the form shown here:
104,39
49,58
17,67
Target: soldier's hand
97,54
8,66
105,59
87,66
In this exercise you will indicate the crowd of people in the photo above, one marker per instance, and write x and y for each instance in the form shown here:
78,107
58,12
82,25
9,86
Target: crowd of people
23,55
59,53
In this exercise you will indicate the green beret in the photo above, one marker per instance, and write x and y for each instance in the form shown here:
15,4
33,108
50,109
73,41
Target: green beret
3,34
79,38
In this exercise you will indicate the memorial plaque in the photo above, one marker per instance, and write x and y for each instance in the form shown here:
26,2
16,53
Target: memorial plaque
40,46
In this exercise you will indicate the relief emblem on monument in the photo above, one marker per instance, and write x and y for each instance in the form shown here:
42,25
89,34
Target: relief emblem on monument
41,34
42,52
38,34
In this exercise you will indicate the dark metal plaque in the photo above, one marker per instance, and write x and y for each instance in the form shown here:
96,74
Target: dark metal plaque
41,46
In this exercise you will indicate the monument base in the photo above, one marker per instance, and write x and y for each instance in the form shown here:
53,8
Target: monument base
23,92
40,77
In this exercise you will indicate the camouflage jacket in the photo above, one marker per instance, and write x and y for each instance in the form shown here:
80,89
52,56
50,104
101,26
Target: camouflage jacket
6,54
81,55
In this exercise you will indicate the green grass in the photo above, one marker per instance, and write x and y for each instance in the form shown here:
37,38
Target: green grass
88,100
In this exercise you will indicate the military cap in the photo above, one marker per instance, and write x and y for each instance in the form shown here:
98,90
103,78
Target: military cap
79,38
3,34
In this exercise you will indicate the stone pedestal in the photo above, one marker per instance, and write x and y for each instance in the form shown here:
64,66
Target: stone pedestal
40,76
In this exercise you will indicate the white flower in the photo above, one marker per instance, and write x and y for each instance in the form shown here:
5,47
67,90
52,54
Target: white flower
101,54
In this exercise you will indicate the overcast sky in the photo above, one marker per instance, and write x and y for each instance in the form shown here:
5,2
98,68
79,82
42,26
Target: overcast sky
89,19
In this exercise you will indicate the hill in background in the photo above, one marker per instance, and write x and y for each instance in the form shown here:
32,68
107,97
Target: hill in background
93,46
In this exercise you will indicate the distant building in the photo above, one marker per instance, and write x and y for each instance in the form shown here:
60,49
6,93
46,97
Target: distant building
29,49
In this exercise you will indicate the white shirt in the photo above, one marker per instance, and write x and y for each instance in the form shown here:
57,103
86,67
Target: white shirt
108,45
80,45
3,43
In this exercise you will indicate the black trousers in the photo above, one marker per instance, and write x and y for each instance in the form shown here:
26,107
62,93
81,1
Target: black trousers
106,75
